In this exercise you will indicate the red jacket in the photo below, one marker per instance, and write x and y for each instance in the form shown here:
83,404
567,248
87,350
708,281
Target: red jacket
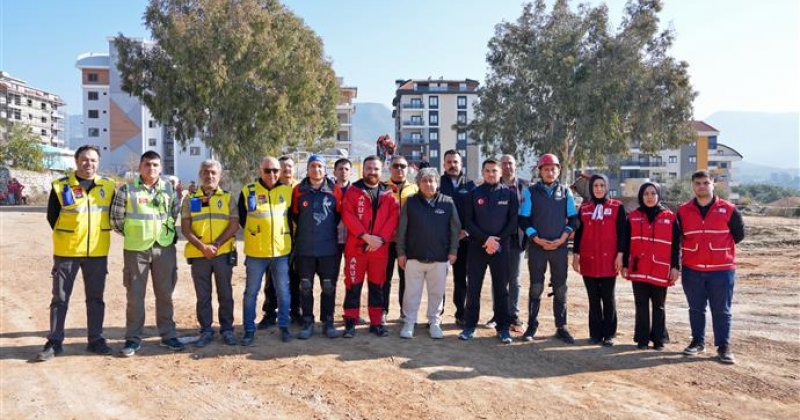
599,239
359,219
707,243
651,247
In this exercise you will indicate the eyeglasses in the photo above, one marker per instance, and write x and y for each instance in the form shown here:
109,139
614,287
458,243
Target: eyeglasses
399,166
270,170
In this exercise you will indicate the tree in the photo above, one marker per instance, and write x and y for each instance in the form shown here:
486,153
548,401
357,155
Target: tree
247,77
22,149
563,83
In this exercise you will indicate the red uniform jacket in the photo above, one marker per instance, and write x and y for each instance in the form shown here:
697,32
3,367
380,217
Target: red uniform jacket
651,247
358,217
599,239
707,243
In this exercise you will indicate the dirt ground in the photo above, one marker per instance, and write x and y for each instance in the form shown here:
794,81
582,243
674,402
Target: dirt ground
370,377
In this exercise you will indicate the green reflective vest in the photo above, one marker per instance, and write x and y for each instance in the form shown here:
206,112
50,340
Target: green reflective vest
149,216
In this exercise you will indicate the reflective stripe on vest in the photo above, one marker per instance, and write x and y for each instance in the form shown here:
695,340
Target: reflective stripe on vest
651,247
208,223
83,228
707,242
146,224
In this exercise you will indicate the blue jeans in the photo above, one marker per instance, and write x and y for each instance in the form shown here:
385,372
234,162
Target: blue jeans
279,276
715,289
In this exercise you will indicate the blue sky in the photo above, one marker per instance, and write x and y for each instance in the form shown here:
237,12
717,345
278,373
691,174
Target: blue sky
743,55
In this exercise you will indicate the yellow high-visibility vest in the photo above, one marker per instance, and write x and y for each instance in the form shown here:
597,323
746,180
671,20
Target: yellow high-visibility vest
83,228
210,221
266,230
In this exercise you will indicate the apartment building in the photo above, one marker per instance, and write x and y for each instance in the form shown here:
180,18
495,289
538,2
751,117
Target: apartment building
123,128
429,119
345,110
670,165
37,108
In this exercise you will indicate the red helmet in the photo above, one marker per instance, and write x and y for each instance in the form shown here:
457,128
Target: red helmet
547,159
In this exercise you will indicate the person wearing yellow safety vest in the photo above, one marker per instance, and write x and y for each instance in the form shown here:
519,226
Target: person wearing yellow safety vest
209,221
402,189
270,305
78,214
264,207
144,212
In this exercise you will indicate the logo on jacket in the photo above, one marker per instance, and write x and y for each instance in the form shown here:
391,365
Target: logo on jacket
607,211
219,204
320,217
262,198
305,203
360,207
439,211
102,193
481,201
502,203
280,199
77,192
723,210
558,194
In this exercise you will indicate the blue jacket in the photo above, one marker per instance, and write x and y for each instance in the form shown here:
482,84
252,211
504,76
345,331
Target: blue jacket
458,193
316,215
548,212
491,210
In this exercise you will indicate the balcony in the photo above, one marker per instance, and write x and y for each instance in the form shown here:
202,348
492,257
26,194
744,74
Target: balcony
414,123
412,139
413,105
627,164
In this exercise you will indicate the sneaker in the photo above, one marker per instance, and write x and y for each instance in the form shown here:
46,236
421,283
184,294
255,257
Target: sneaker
172,343
407,331
307,331
349,329
641,346
205,339
530,332
491,323
565,336
695,347
286,335
229,338
724,355
658,346
248,338
100,347
51,350
467,334
330,331
384,318
436,331
267,322
379,330
504,336
130,348
595,341
608,342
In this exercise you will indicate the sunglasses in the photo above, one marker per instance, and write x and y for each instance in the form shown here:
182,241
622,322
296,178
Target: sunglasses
270,170
399,166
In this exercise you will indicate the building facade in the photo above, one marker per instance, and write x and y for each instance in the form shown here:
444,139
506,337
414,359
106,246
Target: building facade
430,116
39,109
344,113
672,165
123,128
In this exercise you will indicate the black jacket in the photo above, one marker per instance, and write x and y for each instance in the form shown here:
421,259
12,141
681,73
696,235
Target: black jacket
428,231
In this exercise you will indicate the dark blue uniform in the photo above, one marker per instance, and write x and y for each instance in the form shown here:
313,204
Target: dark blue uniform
459,193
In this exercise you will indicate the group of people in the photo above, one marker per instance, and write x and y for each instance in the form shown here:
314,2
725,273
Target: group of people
14,194
295,232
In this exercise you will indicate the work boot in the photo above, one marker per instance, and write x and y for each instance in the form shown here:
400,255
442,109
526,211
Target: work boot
349,328
100,347
307,331
565,336
330,330
379,330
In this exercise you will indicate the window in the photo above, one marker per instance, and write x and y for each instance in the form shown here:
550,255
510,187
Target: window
673,175
723,165
92,77
93,113
433,135
44,106
433,102
17,114
434,153
416,103
152,142
433,118
461,119
194,151
461,102
44,120
44,132
461,136
613,193
151,124
94,132
93,96
30,102
692,159
673,159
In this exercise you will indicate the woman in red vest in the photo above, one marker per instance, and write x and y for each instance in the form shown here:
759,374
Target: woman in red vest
651,264
598,249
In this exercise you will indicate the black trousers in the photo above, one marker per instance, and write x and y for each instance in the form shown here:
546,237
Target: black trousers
460,279
645,294
65,270
202,271
498,265
387,285
270,306
602,307
538,260
327,268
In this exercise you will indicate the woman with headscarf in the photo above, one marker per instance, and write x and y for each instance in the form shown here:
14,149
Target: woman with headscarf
597,255
651,263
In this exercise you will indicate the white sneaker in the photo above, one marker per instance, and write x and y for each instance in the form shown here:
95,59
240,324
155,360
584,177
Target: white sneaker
407,331
436,331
